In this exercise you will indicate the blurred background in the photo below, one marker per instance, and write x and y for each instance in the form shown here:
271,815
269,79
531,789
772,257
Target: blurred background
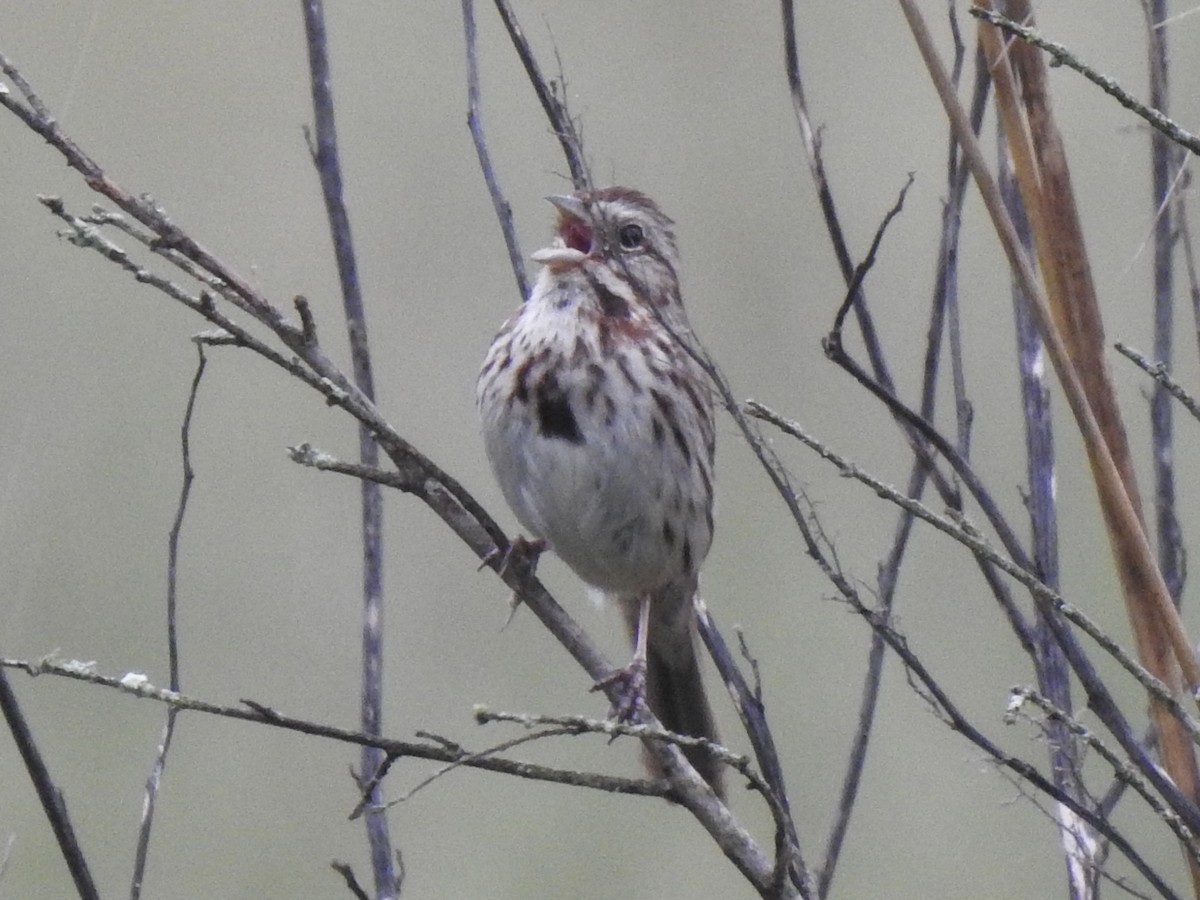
202,106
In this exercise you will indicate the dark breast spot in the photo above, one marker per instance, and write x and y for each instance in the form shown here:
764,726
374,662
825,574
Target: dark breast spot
521,377
595,383
610,411
681,442
611,304
580,354
607,345
627,373
660,433
667,407
555,417
521,381
668,533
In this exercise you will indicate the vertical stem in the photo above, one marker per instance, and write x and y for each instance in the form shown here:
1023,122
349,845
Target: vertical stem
154,781
325,157
1162,158
1053,672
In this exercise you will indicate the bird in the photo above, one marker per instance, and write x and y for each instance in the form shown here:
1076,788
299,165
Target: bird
598,424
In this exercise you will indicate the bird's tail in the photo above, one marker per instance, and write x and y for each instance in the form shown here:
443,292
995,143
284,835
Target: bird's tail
674,686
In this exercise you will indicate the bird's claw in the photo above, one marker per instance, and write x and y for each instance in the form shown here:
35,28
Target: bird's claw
629,691
520,549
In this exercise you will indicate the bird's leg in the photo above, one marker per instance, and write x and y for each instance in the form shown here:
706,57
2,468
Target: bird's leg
630,682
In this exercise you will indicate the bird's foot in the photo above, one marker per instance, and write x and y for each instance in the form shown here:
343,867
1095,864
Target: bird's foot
628,690
521,551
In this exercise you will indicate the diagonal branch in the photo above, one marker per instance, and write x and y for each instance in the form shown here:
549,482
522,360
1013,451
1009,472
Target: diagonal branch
1159,373
475,123
1063,56
553,105
49,795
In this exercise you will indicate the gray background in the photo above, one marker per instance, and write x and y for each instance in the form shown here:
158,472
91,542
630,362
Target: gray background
201,105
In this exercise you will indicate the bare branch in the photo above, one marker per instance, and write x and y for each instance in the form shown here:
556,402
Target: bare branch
347,873
1063,57
552,104
160,761
1123,772
475,123
329,170
137,685
970,537
51,798
1158,371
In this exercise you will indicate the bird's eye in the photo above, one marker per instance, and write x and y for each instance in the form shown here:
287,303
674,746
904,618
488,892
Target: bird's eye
631,236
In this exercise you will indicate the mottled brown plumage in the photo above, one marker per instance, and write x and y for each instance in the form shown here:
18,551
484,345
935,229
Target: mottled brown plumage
599,426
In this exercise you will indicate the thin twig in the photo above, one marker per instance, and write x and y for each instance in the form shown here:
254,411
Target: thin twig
1063,56
555,108
1189,259
868,262
751,710
1164,182
137,685
811,139
964,413
611,728
921,431
502,747
1123,772
500,203
421,476
1158,371
160,761
969,537
324,150
347,873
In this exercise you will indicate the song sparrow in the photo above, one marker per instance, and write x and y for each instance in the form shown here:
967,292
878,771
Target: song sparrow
599,427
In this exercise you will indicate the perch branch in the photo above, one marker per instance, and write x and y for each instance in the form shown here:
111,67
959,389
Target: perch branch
422,477
136,685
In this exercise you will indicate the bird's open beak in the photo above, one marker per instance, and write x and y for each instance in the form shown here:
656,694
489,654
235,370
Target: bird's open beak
574,239
569,205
